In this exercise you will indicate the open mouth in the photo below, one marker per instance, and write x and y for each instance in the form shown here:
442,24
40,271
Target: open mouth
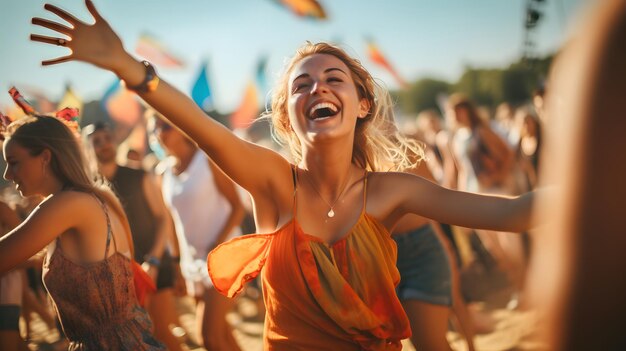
323,110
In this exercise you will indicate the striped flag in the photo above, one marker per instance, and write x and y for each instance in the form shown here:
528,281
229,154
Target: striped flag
154,51
304,8
248,109
377,57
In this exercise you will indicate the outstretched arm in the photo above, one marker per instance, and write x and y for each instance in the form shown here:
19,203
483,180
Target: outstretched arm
99,45
50,219
411,194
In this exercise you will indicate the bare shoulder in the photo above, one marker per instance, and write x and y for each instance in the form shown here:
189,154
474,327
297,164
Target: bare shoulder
388,181
389,193
70,202
385,193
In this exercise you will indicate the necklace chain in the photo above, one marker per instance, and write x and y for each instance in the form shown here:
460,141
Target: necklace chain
331,212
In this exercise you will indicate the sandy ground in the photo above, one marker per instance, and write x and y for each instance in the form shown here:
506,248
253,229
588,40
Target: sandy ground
514,330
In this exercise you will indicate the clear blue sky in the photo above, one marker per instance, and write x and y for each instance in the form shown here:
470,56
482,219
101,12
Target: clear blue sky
421,38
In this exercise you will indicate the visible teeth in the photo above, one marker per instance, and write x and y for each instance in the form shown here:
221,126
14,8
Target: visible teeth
322,105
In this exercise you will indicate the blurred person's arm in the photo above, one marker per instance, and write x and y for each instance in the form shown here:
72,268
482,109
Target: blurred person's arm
164,226
450,172
180,288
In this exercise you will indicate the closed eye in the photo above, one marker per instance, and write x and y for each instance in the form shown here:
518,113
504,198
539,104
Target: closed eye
298,87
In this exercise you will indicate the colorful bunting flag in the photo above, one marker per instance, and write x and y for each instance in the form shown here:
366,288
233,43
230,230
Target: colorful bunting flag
248,109
154,51
304,8
377,57
201,91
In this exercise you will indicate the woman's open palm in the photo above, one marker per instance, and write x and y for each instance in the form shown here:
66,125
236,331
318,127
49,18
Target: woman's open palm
95,43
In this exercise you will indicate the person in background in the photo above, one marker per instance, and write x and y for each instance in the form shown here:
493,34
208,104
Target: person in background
150,224
87,270
207,211
11,292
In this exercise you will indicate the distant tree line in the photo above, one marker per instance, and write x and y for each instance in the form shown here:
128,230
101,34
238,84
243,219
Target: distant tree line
486,86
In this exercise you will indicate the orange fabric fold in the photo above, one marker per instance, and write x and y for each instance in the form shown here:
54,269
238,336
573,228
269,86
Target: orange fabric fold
233,263
319,296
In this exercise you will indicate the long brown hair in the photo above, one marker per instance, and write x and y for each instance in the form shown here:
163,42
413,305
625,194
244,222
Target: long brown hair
67,162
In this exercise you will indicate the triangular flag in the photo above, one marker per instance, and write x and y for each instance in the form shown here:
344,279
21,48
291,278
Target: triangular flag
377,57
201,91
248,109
154,51
305,8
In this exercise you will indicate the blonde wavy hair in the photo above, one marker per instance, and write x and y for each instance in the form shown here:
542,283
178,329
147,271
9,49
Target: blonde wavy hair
68,162
377,141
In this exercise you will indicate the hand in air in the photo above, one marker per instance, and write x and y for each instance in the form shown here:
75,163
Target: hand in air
95,43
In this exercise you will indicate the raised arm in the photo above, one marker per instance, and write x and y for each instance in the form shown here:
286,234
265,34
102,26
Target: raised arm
99,45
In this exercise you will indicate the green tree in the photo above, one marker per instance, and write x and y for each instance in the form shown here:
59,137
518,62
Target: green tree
422,95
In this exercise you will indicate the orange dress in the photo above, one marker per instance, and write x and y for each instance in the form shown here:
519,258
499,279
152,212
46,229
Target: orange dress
319,296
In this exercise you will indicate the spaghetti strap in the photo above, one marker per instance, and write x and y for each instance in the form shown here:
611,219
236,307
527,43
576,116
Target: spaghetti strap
364,191
294,175
109,231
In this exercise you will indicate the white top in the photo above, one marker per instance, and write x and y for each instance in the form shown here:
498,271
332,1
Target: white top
199,211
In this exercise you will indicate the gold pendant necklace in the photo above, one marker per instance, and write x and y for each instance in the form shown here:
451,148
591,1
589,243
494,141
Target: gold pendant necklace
331,212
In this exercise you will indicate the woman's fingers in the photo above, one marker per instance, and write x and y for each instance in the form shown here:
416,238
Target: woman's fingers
56,60
51,25
92,9
49,40
63,14
53,41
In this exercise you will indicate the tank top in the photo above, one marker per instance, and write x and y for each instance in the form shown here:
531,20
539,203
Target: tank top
96,302
128,185
200,211
319,296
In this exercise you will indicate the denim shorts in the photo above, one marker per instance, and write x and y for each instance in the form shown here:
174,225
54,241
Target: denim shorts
424,267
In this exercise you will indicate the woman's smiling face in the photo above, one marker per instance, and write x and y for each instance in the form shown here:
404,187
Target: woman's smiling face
323,100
